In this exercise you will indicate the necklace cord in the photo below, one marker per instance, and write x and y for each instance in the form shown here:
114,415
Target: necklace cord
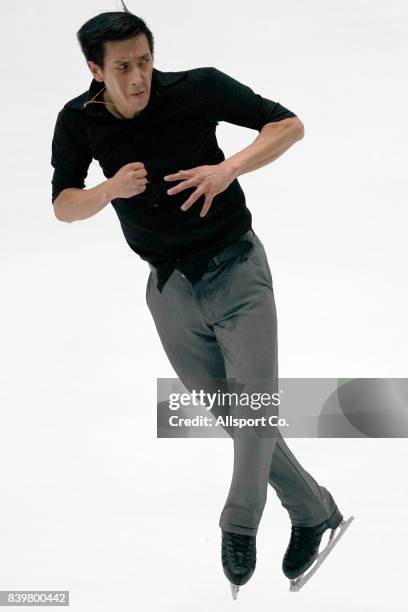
93,101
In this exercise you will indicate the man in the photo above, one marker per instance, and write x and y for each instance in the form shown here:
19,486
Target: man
183,211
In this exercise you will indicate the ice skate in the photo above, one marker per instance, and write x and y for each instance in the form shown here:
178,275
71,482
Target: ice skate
303,549
238,555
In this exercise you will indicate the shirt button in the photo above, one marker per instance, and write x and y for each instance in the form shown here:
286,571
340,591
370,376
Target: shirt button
155,204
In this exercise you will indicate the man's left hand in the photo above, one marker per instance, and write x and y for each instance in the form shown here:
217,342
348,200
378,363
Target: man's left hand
209,180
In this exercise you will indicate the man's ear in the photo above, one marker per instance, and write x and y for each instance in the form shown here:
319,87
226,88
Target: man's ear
95,70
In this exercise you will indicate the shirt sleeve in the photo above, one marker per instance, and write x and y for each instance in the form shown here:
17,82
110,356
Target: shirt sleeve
70,156
229,100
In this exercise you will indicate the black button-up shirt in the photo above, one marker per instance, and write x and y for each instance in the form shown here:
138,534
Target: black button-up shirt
175,131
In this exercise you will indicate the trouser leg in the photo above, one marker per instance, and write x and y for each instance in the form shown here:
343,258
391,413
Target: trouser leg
307,502
245,325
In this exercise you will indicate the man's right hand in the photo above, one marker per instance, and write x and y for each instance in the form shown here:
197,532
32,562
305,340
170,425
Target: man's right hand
130,180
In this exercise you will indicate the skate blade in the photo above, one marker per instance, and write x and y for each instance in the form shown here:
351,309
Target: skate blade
297,583
234,590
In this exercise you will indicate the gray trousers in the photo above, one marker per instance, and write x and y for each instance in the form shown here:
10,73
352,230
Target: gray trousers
223,327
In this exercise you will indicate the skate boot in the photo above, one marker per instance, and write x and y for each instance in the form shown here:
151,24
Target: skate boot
303,548
238,555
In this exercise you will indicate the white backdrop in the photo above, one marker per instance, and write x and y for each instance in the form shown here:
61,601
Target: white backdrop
91,501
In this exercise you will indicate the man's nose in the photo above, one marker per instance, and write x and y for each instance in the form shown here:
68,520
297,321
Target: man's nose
137,78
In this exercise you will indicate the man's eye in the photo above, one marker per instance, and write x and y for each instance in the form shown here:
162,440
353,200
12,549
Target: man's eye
126,65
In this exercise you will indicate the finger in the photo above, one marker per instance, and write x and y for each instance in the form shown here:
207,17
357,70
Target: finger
181,186
140,172
174,177
207,206
193,198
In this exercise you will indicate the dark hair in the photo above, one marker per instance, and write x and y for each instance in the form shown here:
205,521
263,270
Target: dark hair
114,25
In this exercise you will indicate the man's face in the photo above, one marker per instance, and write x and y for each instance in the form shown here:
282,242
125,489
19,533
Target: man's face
128,68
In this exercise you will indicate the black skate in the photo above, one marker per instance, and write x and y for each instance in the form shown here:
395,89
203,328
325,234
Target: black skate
303,548
238,555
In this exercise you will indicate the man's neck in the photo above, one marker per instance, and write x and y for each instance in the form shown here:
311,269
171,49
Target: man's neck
110,106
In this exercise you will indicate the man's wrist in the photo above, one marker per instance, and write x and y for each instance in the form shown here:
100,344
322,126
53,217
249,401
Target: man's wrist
110,189
231,167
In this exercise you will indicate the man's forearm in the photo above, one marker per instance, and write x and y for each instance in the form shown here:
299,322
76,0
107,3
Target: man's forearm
77,204
273,140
